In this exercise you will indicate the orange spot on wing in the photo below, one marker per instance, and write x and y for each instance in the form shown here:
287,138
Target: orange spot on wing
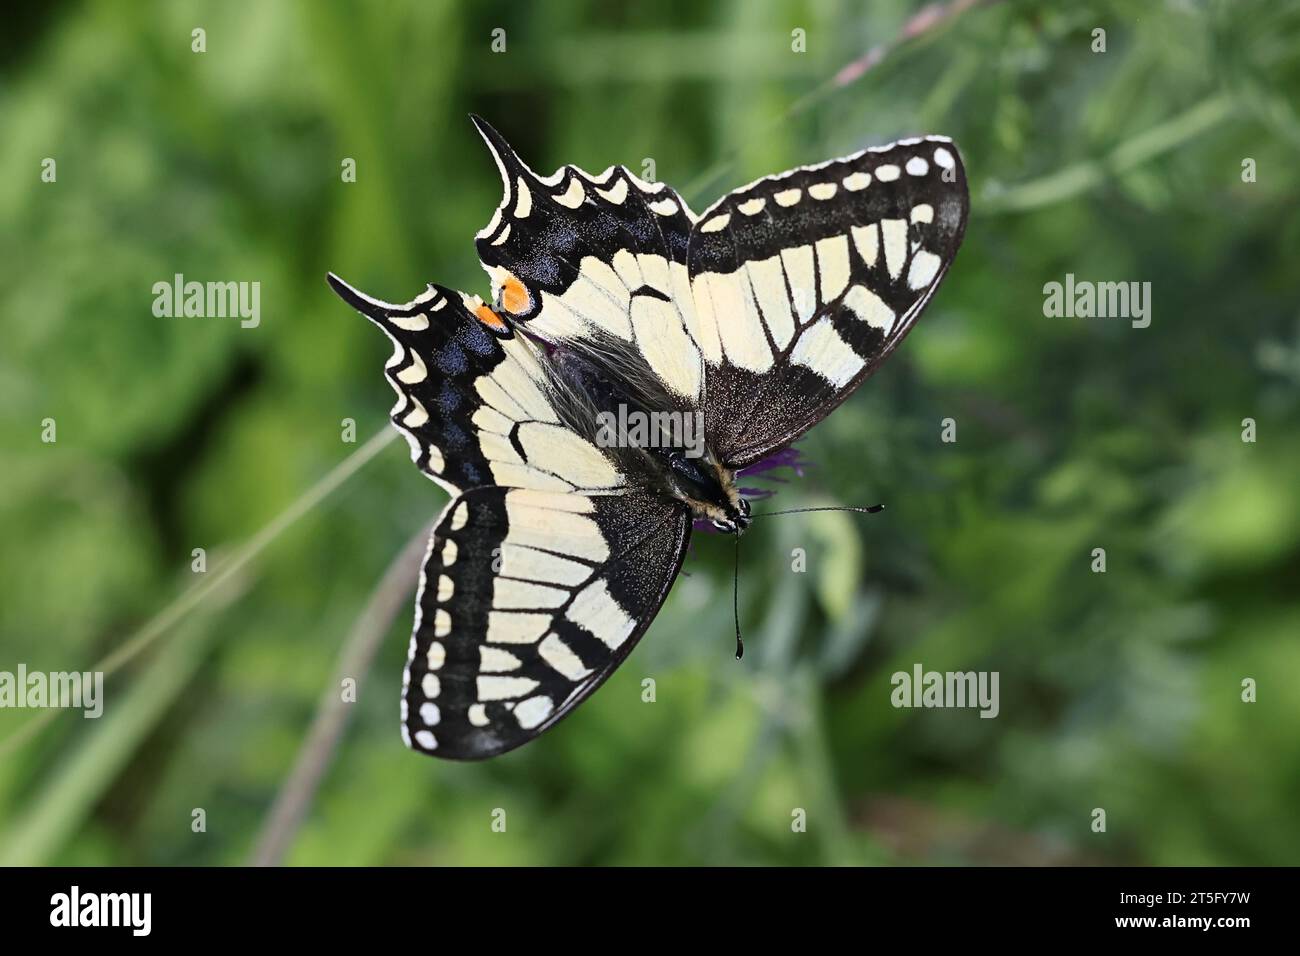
514,297
490,318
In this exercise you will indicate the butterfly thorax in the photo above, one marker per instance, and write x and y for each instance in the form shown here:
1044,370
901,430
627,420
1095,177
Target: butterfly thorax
649,433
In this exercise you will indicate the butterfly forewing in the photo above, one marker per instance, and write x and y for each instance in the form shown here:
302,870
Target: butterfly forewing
804,282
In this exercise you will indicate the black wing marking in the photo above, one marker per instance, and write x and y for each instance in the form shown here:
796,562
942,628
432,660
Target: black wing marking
806,281
473,398
528,601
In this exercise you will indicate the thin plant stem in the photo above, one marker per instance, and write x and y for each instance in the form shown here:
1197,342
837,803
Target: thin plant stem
923,22
298,791
1083,177
214,579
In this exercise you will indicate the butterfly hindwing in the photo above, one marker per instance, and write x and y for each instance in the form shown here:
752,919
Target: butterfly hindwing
804,282
474,401
547,566
528,601
596,263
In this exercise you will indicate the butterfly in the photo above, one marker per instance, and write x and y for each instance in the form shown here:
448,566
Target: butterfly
756,317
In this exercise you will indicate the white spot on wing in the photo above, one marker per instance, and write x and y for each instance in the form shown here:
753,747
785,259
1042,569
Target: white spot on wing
924,267
870,308
866,239
628,269
599,297
767,279
493,660
414,373
598,612
529,564
833,266
511,628
417,416
504,688
524,203
533,711
561,657
510,595
573,196
411,323
821,349
894,234
615,194
802,277
667,346
562,452
491,226
737,320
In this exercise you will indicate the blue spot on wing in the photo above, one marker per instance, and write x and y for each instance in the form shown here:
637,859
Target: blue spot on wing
449,398
452,360
454,437
476,338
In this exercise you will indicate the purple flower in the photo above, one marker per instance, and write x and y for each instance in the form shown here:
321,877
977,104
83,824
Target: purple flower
789,457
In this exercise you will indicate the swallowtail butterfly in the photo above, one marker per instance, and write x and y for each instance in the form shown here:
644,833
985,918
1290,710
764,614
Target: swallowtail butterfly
763,313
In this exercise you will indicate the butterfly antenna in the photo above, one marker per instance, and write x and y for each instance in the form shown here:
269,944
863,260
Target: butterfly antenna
735,577
735,600
873,509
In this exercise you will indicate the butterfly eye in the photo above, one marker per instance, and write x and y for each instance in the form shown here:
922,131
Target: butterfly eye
744,507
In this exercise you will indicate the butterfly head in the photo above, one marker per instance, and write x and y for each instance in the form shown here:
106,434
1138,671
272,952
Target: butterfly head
709,489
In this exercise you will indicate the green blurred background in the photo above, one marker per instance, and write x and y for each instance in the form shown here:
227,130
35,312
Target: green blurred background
1119,690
